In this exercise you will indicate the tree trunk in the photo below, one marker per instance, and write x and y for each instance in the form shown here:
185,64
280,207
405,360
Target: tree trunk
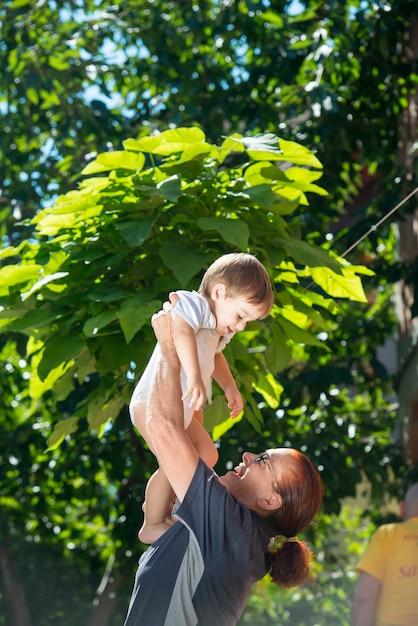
13,591
407,289
106,599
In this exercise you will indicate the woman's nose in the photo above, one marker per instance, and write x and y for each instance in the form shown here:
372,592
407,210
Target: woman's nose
241,325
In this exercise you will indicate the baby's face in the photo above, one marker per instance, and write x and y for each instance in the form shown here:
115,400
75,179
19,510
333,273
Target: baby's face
233,314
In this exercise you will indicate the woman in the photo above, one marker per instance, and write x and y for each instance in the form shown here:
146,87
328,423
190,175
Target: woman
201,571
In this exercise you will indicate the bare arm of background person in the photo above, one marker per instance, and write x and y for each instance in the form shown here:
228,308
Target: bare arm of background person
366,596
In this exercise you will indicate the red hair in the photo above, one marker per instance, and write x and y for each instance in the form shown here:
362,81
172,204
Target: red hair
301,490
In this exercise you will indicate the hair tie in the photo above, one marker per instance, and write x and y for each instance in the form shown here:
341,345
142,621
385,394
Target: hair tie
291,539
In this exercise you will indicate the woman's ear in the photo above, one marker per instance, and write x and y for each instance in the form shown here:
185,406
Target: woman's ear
273,501
218,292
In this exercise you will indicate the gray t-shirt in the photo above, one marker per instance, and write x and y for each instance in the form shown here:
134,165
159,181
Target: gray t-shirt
201,571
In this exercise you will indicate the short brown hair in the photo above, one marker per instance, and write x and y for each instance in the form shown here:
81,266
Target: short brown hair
243,275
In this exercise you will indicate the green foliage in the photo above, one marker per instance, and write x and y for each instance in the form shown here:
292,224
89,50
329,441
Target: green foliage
77,80
111,250
63,514
326,596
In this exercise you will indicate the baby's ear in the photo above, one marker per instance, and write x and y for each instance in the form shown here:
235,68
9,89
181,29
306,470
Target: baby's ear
218,292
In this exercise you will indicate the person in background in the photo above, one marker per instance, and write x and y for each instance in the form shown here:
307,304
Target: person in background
386,593
234,290
229,531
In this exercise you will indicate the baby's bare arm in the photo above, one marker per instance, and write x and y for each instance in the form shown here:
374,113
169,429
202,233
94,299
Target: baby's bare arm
223,376
222,373
185,343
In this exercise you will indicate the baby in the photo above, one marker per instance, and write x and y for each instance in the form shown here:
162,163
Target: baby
234,290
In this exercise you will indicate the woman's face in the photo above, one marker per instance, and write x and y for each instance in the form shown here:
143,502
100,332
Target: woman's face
256,480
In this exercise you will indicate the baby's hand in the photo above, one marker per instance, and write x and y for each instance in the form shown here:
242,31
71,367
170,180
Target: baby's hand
197,390
234,399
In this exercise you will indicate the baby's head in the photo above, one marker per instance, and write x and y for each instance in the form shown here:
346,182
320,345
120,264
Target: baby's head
243,276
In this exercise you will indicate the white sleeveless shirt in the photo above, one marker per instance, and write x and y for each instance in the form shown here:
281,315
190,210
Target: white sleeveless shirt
195,309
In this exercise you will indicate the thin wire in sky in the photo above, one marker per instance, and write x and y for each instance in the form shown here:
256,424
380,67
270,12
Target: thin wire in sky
383,219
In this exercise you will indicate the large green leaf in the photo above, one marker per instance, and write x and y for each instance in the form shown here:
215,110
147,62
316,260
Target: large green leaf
52,381
261,194
183,262
306,254
118,159
233,231
45,280
278,352
292,178
51,223
135,232
263,146
347,285
253,414
32,320
58,349
94,324
196,151
298,154
259,172
269,147
100,412
168,142
135,312
170,188
221,429
10,251
11,275
74,201
269,388
299,335
61,430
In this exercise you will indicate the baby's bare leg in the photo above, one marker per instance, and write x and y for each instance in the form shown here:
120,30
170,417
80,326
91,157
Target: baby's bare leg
158,496
140,420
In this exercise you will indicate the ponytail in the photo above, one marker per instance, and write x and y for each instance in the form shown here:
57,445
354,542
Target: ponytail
289,563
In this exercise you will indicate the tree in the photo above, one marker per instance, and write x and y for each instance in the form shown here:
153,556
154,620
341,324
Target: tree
108,253
125,216
336,77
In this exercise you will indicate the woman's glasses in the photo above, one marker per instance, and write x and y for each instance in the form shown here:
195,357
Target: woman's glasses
263,458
